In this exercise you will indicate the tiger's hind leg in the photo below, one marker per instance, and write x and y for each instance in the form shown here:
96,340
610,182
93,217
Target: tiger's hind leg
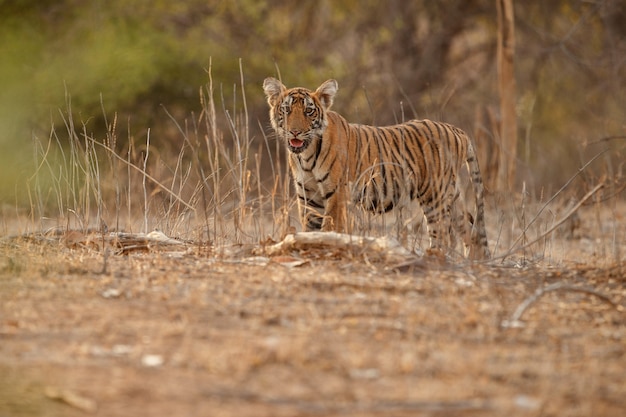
474,243
437,214
461,221
447,222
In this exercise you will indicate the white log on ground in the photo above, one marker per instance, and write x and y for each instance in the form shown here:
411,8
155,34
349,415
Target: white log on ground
387,248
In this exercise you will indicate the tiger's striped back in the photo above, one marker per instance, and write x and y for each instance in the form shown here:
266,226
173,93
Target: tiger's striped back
333,161
416,160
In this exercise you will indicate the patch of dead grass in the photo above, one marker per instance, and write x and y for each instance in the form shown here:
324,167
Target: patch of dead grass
239,334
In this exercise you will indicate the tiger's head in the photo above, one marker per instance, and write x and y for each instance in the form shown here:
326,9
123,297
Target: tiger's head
298,115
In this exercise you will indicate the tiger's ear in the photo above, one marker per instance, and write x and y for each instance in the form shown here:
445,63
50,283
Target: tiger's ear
273,89
326,93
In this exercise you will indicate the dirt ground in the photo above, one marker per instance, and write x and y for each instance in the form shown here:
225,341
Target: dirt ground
193,330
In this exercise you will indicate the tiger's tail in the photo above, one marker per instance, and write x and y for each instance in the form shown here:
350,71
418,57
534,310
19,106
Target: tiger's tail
479,245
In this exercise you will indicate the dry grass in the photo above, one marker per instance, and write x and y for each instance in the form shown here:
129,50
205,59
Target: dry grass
187,329
99,316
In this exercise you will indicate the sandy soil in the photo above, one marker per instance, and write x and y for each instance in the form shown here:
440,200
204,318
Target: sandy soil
193,330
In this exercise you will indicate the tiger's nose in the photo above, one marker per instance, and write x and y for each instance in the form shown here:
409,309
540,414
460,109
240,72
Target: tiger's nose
295,133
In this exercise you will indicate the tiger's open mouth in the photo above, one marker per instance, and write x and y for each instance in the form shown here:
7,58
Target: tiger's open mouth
297,145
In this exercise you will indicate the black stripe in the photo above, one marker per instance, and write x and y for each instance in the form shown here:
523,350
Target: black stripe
329,194
327,174
318,149
314,204
314,222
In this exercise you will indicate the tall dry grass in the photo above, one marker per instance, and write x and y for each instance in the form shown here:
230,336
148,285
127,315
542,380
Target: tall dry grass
227,184
215,189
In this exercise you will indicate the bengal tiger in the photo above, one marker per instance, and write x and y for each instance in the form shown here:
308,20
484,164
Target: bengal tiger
334,162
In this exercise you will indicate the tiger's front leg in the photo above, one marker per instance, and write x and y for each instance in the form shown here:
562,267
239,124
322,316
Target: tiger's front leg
335,216
310,207
310,219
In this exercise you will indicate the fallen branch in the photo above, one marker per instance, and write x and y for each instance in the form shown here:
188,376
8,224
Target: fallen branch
72,399
515,320
387,248
97,240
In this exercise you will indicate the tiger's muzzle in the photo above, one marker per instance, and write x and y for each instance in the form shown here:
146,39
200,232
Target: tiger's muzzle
296,143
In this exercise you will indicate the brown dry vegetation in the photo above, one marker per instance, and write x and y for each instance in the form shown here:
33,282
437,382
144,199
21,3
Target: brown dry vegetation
97,318
193,329
394,60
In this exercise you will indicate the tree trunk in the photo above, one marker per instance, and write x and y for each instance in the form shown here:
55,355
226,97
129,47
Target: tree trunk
506,87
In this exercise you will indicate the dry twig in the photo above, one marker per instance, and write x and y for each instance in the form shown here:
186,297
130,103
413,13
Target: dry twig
555,225
72,399
515,320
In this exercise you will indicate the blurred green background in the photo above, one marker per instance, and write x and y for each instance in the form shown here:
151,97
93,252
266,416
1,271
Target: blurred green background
394,60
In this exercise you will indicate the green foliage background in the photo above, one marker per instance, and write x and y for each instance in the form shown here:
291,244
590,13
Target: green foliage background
393,60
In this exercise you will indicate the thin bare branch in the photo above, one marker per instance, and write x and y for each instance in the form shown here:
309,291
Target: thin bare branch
143,172
551,199
515,320
555,225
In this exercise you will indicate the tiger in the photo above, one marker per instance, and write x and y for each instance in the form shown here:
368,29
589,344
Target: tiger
334,163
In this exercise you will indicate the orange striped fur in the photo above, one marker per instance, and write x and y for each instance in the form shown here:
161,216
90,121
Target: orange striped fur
333,162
